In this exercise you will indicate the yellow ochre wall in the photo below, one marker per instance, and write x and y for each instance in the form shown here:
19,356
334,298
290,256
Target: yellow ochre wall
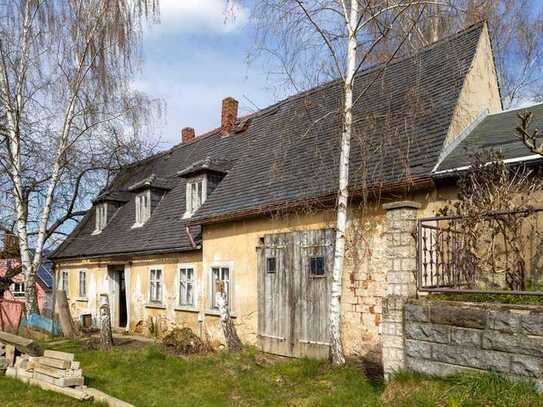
137,286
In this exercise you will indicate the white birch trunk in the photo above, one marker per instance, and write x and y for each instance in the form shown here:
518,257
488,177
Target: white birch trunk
233,343
336,347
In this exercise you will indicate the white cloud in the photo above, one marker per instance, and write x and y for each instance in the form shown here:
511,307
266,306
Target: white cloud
199,16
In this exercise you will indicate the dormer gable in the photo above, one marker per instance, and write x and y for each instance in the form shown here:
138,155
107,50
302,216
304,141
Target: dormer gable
105,207
202,178
148,194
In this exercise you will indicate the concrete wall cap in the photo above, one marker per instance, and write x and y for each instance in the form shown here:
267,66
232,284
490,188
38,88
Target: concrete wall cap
402,204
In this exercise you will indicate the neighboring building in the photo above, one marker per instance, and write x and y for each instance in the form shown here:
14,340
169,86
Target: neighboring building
44,285
252,204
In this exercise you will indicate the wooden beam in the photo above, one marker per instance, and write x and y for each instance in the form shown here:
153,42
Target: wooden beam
23,345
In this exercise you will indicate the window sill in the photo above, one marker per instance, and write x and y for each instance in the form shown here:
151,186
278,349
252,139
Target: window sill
155,305
96,232
137,225
182,308
82,299
216,313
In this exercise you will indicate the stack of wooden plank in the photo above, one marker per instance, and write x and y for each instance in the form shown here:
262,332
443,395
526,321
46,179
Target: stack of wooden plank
58,368
51,370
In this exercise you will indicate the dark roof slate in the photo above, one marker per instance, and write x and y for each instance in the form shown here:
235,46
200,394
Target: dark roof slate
494,132
289,151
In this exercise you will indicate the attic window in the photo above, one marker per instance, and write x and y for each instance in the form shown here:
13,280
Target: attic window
143,208
101,218
195,195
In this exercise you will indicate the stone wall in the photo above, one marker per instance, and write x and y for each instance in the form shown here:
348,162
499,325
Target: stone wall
442,338
401,267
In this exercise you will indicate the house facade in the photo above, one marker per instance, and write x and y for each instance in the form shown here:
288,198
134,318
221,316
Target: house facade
252,204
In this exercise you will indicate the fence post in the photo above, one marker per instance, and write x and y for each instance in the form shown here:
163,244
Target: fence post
401,253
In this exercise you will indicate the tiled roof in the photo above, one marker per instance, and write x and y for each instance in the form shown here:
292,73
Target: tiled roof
288,152
494,132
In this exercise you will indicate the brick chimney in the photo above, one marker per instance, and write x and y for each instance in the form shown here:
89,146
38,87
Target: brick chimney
229,115
187,134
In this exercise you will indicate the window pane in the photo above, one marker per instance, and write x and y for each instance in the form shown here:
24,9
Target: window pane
317,266
271,264
189,300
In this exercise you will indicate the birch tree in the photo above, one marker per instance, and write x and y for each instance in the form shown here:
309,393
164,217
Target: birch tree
67,113
318,40
516,30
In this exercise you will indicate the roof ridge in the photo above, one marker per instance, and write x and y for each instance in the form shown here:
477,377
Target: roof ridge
317,88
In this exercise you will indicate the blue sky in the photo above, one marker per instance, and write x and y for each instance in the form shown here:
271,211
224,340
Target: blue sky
193,59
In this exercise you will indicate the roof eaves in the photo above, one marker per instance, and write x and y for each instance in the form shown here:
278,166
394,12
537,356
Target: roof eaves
453,144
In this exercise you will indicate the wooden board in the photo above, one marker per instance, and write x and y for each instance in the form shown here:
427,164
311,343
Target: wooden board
61,382
293,303
23,345
59,355
50,362
10,355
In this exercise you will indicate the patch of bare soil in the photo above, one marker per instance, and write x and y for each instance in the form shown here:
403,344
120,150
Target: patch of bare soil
182,341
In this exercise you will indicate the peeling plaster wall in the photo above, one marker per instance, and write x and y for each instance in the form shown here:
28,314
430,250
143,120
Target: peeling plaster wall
166,317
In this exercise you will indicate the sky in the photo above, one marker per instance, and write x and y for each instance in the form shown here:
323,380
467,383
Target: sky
195,58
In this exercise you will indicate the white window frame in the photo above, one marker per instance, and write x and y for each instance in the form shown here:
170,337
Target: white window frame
143,213
18,289
160,281
101,218
189,204
83,293
181,303
212,286
65,282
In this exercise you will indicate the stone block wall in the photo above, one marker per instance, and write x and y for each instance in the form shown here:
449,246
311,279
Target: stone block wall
443,338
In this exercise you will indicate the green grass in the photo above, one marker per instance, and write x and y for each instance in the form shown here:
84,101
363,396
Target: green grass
149,377
491,298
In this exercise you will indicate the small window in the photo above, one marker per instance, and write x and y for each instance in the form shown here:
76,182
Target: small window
64,282
143,208
219,274
82,283
316,266
155,286
271,264
186,287
18,289
101,217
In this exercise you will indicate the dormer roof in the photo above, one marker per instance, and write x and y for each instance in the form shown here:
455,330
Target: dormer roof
206,165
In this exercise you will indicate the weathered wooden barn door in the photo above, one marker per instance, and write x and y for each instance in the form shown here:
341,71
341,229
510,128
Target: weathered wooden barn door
294,271
275,283
314,259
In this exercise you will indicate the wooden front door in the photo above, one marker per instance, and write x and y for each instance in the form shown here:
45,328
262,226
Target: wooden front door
294,273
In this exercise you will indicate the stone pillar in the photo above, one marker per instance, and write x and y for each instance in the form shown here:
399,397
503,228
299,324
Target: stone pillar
401,253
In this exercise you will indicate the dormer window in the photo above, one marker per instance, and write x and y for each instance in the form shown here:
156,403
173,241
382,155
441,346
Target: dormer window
196,194
143,208
101,218
202,178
